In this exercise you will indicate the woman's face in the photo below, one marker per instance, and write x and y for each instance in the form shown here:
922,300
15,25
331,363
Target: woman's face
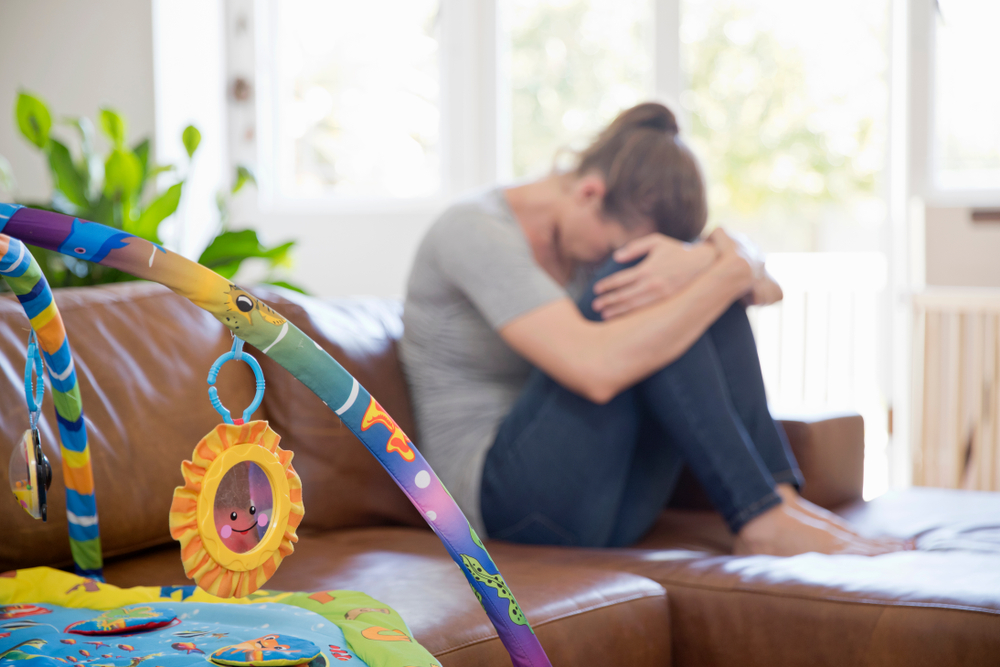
585,234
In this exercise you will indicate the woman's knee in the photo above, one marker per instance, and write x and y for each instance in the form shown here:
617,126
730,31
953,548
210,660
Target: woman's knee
586,302
734,321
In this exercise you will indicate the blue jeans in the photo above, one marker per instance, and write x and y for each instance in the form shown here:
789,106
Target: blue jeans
564,470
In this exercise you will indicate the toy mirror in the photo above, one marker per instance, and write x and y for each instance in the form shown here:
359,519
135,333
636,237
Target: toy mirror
237,512
243,506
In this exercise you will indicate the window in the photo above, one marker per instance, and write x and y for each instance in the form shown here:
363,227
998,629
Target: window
966,134
786,104
355,109
573,65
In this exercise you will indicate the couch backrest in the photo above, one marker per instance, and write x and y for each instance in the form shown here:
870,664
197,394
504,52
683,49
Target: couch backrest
142,356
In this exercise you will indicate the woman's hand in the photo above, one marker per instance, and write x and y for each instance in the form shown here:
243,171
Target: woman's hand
740,245
667,267
764,290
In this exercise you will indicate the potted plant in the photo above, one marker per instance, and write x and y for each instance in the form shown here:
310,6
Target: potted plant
118,189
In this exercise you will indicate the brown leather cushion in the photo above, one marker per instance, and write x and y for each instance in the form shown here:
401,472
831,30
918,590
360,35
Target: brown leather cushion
582,616
830,451
142,358
909,608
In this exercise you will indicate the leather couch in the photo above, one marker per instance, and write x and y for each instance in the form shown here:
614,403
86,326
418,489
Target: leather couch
679,597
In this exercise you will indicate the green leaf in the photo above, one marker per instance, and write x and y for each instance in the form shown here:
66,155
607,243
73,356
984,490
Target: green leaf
191,138
141,151
68,181
286,285
228,250
159,169
114,126
33,119
102,212
122,174
158,210
89,166
244,175
280,255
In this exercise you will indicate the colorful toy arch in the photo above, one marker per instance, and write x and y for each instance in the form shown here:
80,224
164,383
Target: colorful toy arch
256,323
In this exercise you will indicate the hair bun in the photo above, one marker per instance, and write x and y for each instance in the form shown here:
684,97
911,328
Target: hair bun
652,115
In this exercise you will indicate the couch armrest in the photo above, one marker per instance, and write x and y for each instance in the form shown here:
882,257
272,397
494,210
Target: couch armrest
830,449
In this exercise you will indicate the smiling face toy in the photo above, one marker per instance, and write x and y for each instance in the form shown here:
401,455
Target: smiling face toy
238,518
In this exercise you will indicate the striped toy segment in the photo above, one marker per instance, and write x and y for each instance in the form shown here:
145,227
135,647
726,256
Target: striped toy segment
44,317
26,280
35,301
64,384
16,261
72,434
57,359
26,269
87,557
70,407
79,478
75,459
6,210
83,533
52,338
80,504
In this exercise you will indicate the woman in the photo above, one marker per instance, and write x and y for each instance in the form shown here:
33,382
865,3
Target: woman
557,401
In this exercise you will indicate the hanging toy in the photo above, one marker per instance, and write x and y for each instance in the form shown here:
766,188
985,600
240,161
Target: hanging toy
29,471
237,512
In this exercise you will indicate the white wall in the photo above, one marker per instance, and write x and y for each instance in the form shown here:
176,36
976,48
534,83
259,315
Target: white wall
78,56
344,254
189,60
960,252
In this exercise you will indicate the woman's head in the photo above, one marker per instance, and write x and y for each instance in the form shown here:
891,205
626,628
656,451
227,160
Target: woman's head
651,179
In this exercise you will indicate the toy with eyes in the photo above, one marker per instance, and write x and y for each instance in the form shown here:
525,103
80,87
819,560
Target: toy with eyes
237,512
243,503
242,306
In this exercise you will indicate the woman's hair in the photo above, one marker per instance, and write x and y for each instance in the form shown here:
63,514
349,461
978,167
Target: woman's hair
649,172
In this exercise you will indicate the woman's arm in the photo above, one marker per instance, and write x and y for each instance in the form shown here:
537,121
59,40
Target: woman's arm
667,266
598,360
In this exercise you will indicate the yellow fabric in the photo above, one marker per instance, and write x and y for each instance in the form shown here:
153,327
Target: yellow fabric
43,585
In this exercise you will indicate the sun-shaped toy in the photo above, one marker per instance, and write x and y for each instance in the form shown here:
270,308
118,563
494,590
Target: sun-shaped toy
237,512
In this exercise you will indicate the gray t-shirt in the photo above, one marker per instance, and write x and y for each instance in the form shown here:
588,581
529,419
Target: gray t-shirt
474,273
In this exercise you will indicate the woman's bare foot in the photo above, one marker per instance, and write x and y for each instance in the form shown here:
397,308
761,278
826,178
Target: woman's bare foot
784,530
791,496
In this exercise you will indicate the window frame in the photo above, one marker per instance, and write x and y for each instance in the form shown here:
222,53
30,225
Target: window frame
922,55
475,132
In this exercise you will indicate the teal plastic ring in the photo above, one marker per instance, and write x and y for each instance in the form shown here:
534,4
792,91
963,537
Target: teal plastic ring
34,395
213,374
